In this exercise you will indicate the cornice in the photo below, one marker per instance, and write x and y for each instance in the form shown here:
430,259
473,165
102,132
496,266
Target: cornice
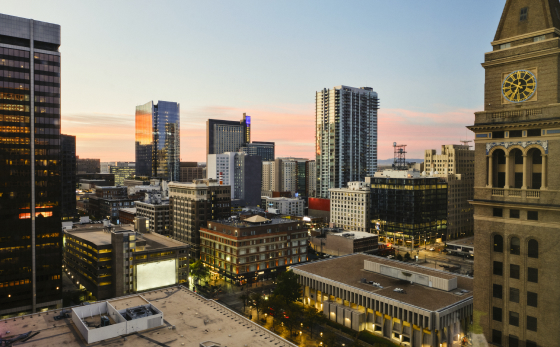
513,125
518,222
526,36
508,204
523,57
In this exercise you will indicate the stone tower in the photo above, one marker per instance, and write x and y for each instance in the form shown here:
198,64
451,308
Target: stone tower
517,181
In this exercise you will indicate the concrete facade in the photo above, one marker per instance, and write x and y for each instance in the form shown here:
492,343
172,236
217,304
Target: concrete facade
287,206
517,187
337,244
350,206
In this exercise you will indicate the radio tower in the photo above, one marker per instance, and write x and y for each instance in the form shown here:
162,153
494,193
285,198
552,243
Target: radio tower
399,161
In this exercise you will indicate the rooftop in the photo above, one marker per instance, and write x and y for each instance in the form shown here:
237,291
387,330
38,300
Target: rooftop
349,270
355,235
467,241
189,320
128,210
242,224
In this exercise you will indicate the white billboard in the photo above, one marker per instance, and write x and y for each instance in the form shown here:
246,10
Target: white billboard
158,274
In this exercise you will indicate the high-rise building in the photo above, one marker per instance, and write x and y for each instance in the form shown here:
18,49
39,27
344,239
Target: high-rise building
311,178
350,206
240,171
455,165
346,136
191,171
265,150
30,194
268,176
68,176
157,140
191,205
87,165
516,201
286,175
227,136
122,171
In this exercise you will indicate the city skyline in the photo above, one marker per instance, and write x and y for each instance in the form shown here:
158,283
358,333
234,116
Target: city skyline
278,68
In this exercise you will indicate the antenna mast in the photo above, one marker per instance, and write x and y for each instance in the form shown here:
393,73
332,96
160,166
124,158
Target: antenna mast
399,160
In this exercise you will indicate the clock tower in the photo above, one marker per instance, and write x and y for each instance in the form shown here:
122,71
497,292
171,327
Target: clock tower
517,181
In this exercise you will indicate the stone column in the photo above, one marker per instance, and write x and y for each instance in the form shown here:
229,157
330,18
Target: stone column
490,164
524,186
544,171
507,185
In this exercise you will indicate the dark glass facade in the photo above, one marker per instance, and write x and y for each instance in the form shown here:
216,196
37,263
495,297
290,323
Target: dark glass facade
265,150
30,184
408,211
157,142
68,176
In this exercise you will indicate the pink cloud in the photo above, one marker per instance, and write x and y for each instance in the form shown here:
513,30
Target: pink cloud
292,127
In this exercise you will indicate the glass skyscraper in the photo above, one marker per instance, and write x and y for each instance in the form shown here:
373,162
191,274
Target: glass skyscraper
157,144
30,184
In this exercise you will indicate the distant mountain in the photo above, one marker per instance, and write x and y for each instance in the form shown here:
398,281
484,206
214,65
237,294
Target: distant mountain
390,161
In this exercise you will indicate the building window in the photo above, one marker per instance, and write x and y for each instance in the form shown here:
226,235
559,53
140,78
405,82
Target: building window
514,271
523,14
498,268
533,132
531,323
498,212
504,46
513,318
513,341
513,213
530,344
497,314
497,291
532,215
533,249
532,299
533,275
498,243
514,295
538,38
496,337
515,246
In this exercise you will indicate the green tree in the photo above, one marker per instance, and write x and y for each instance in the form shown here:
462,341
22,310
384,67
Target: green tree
288,286
330,339
244,298
312,316
292,316
256,302
399,257
407,256
276,304
199,271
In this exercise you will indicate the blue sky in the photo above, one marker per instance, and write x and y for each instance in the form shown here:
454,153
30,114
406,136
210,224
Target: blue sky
267,58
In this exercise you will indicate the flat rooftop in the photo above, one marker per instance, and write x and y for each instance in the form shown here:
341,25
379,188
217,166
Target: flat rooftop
353,235
349,270
243,224
128,209
196,320
467,241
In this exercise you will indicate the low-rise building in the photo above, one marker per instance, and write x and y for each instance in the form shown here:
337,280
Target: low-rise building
113,260
350,206
85,165
337,243
287,206
122,171
127,215
405,303
319,207
110,178
156,211
189,171
107,201
244,250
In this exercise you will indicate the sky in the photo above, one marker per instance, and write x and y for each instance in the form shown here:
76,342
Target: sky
220,59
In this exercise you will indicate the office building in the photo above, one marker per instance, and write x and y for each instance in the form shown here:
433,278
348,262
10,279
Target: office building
139,320
156,211
407,208
113,260
516,204
68,176
350,206
30,193
286,175
346,136
336,242
243,250
191,205
455,165
265,150
282,205
107,201
408,304
268,181
227,136
85,165
240,171
157,143
122,171
310,178
190,171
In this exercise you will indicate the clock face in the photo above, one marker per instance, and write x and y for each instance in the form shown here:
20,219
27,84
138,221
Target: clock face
519,86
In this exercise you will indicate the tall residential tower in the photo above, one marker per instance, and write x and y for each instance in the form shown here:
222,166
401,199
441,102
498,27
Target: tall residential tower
30,189
346,136
227,136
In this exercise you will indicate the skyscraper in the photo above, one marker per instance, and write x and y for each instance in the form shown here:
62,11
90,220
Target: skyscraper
516,202
227,136
346,136
157,140
30,218
68,176
265,150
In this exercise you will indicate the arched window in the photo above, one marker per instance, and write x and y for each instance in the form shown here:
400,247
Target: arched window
515,246
498,243
533,249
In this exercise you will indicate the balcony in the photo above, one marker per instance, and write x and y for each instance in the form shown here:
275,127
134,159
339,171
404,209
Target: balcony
516,193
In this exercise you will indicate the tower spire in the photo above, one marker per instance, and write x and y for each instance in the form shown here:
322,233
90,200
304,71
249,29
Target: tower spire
521,17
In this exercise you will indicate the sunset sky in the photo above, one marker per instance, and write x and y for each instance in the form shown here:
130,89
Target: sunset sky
219,59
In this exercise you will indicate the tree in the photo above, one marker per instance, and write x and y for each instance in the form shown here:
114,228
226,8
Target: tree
312,316
288,286
292,316
407,256
199,271
256,302
330,339
399,257
244,298
276,304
